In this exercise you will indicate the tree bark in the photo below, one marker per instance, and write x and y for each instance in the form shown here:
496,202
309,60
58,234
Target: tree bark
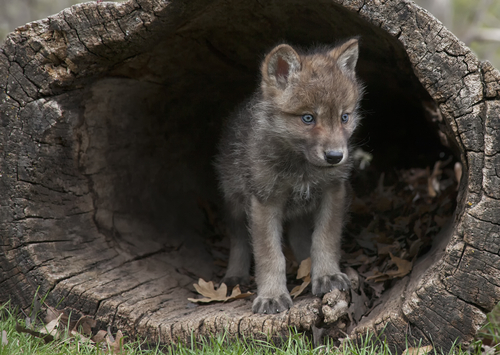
110,115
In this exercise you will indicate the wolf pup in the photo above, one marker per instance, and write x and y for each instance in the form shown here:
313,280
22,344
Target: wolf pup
285,158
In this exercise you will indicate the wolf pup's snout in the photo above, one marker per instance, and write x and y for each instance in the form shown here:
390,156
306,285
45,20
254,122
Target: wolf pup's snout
334,157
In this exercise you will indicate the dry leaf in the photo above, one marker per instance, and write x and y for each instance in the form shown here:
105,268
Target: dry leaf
84,325
358,306
109,335
116,343
4,338
377,288
68,317
433,181
404,268
384,249
99,337
418,351
46,337
358,258
80,338
441,221
236,294
297,290
304,269
401,223
52,314
52,327
304,273
415,247
378,277
458,172
208,290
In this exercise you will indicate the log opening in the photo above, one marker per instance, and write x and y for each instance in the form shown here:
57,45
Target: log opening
111,172
150,129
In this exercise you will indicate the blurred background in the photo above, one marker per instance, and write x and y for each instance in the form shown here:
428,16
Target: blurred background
475,22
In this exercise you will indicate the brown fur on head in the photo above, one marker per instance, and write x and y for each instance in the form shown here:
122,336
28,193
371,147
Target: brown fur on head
322,85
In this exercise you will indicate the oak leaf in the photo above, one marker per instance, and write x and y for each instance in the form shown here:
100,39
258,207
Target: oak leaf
304,269
115,344
84,325
404,268
423,350
458,172
304,273
100,336
433,181
52,327
211,294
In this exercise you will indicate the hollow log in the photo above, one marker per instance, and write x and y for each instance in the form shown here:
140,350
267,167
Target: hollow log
110,117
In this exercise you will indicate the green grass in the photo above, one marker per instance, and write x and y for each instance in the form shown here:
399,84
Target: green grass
295,343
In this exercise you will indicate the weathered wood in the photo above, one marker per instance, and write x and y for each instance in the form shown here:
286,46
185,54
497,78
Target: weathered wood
110,114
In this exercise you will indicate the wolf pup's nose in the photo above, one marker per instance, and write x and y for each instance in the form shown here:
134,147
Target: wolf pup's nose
333,156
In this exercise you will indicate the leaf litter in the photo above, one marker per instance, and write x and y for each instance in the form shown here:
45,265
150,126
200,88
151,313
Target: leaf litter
392,223
68,325
393,219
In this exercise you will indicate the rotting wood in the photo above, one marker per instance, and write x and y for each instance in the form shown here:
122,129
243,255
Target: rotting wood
109,118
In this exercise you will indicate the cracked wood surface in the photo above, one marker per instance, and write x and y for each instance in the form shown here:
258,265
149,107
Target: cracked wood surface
96,108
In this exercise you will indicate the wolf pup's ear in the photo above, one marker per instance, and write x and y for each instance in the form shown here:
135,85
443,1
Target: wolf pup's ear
347,56
279,65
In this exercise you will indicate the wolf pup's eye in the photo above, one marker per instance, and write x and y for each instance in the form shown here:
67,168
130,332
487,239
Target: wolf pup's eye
308,119
344,118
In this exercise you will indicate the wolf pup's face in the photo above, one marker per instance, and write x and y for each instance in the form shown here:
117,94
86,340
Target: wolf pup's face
314,100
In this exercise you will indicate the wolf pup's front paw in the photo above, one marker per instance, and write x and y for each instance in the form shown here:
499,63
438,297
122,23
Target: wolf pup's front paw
325,284
272,305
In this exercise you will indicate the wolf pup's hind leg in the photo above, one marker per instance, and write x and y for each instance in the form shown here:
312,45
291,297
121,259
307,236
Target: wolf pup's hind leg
240,255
